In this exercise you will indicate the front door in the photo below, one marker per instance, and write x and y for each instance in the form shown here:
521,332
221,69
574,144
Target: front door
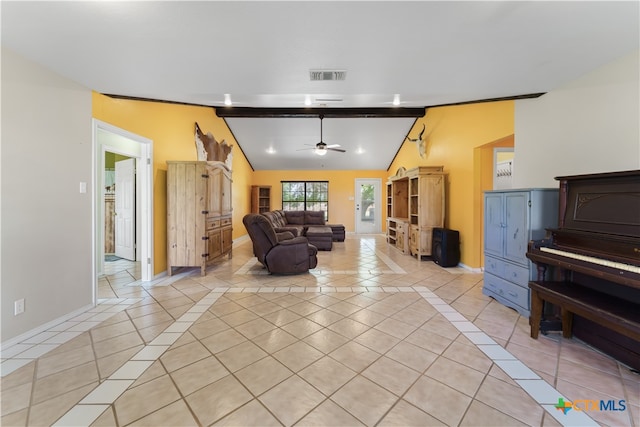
125,203
367,204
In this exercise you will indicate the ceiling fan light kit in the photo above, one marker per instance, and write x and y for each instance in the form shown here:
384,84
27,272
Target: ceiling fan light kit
322,148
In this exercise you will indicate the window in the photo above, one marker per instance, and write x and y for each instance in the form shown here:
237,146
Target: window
306,196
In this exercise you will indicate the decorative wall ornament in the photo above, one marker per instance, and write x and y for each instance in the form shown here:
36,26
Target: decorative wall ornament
421,142
209,149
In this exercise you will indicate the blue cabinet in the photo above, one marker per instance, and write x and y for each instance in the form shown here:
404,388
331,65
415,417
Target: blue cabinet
511,219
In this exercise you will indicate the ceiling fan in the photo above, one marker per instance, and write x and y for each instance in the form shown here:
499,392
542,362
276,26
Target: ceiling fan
321,148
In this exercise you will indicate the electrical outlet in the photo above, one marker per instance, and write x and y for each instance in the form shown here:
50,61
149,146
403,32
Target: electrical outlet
18,307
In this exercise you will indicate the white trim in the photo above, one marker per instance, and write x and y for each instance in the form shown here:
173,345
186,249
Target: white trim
145,179
160,275
471,269
241,240
42,328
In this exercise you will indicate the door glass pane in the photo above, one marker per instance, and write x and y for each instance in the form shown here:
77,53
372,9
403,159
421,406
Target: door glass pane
367,205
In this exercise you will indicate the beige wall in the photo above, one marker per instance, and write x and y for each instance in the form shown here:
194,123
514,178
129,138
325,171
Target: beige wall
46,221
590,125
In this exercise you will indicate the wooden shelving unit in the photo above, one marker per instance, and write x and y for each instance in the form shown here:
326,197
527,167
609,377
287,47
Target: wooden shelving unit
260,198
415,206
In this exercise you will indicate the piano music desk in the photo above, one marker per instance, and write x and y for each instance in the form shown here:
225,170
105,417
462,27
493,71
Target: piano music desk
611,312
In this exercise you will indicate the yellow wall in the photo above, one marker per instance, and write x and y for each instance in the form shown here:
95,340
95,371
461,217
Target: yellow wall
171,127
452,134
341,189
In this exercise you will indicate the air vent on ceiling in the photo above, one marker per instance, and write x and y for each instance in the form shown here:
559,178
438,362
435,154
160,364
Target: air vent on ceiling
320,75
323,100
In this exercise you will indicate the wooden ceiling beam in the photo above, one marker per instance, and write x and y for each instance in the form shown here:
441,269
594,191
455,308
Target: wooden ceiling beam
336,112
249,112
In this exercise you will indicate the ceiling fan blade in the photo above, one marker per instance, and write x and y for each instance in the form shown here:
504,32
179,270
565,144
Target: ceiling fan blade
321,147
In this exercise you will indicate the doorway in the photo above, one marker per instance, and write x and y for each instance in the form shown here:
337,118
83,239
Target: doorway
110,139
121,220
368,212
503,162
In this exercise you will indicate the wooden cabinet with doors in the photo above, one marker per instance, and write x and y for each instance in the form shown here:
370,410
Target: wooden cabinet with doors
426,207
402,241
199,225
417,196
260,198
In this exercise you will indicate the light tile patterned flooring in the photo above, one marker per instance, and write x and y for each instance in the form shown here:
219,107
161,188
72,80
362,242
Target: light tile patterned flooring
372,337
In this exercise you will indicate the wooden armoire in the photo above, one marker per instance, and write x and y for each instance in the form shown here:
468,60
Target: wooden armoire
199,226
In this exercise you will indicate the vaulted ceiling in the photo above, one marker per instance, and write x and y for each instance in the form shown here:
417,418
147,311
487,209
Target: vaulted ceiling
260,54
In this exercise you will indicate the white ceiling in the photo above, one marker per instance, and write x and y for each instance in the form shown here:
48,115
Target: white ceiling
428,52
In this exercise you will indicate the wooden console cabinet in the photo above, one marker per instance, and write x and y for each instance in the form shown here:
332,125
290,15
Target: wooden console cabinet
398,234
199,225
415,197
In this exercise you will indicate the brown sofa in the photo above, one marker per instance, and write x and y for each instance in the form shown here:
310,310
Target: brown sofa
280,253
298,222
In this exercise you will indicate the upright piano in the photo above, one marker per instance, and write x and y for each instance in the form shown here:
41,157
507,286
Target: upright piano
594,256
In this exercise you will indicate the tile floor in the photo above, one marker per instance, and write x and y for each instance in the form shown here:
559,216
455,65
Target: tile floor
371,337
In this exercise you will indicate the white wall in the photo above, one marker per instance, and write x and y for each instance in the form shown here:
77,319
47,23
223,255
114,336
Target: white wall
46,222
587,126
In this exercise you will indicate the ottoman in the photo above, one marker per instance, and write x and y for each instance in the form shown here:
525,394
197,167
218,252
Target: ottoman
320,236
338,232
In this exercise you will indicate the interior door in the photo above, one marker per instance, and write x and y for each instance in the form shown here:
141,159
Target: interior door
125,202
368,214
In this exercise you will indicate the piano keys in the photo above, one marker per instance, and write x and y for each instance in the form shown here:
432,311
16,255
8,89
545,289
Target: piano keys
593,260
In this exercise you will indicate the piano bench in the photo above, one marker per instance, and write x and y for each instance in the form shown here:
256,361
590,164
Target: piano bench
612,313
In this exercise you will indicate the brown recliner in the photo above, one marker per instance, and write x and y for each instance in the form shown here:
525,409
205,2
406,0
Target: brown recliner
281,256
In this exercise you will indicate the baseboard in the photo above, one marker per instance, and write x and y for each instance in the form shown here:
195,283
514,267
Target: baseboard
35,331
241,240
353,233
158,276
471,269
